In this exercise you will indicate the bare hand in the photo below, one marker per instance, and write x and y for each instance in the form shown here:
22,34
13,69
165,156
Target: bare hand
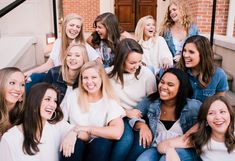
145,138
68,143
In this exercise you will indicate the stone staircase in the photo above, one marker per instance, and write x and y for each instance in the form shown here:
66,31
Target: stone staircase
230,95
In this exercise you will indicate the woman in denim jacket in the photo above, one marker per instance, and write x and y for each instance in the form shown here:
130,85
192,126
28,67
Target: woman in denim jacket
170,114
198,61
177,27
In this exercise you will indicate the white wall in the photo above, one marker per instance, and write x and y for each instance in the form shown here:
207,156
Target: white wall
31,18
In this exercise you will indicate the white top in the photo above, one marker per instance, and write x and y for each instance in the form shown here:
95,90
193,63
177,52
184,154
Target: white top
55,52
64,101
155,50
100,114
163,133
216,151
178,46
12,141
134,90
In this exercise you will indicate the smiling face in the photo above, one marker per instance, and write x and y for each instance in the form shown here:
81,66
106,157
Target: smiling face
191,55
74,58
174,13
218,118
73,28
132,62
14,89
149,28
101,30
91,81
168,87
48,105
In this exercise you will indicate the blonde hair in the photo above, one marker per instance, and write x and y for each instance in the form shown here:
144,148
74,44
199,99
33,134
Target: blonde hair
65,68
139,30
106,88
5,122
65,40
186,17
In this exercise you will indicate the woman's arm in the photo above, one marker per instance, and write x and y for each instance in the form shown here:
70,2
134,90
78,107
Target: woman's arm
145,136
114,130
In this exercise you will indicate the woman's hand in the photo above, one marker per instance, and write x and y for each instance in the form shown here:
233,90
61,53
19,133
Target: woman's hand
133,113
165,63
145,134
68,143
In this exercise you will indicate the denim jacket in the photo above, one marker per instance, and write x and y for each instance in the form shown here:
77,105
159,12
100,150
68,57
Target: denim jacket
187,118
54,76
218,83
193,30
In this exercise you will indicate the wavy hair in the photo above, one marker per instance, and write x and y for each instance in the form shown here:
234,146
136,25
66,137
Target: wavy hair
186,17
203,134
206,65
32,121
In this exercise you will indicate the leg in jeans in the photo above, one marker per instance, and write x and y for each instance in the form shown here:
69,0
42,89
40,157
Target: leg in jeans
150,154
136,149
98,150
35,78
78,152
122,147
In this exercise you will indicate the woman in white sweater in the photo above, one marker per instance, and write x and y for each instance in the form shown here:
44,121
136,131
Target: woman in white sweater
156,52
131,82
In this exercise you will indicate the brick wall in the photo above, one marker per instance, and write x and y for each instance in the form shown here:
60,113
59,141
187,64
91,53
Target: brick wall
88,9
202,10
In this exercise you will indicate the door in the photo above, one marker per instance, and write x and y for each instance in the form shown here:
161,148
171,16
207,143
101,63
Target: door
130,11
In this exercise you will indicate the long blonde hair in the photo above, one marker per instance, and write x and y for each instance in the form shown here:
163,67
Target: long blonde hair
65,68
106,88
186,17
65,40
139,30
5,121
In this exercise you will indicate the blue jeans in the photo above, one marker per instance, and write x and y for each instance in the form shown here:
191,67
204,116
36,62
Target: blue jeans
136,149
97,150
122,147
152,154
35,78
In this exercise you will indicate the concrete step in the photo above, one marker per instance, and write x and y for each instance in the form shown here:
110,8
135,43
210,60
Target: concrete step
231,98
218,60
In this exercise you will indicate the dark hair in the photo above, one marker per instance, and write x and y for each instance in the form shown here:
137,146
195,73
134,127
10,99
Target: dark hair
32,121
125,47
206,64
203,134
110,22
185,90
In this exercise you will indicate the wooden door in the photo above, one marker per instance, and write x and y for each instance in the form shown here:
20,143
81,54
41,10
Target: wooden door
130,11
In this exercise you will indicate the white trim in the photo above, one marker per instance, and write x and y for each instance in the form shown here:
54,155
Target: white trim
231,15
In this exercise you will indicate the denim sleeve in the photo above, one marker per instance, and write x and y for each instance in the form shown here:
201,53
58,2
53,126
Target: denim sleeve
223,83
132,121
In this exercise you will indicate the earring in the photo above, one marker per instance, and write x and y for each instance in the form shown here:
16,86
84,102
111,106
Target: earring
53,116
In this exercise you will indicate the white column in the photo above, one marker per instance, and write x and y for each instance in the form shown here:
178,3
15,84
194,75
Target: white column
106,6
231,15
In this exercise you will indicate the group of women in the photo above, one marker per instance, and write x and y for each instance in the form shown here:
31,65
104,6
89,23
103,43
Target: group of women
120,98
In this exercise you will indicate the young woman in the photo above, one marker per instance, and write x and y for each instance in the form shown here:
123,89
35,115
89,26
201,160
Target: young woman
156,52
177,26
106,37
65,77
39,135
198,61
131,82
94,109
170,113
72,32
215,137
12,89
